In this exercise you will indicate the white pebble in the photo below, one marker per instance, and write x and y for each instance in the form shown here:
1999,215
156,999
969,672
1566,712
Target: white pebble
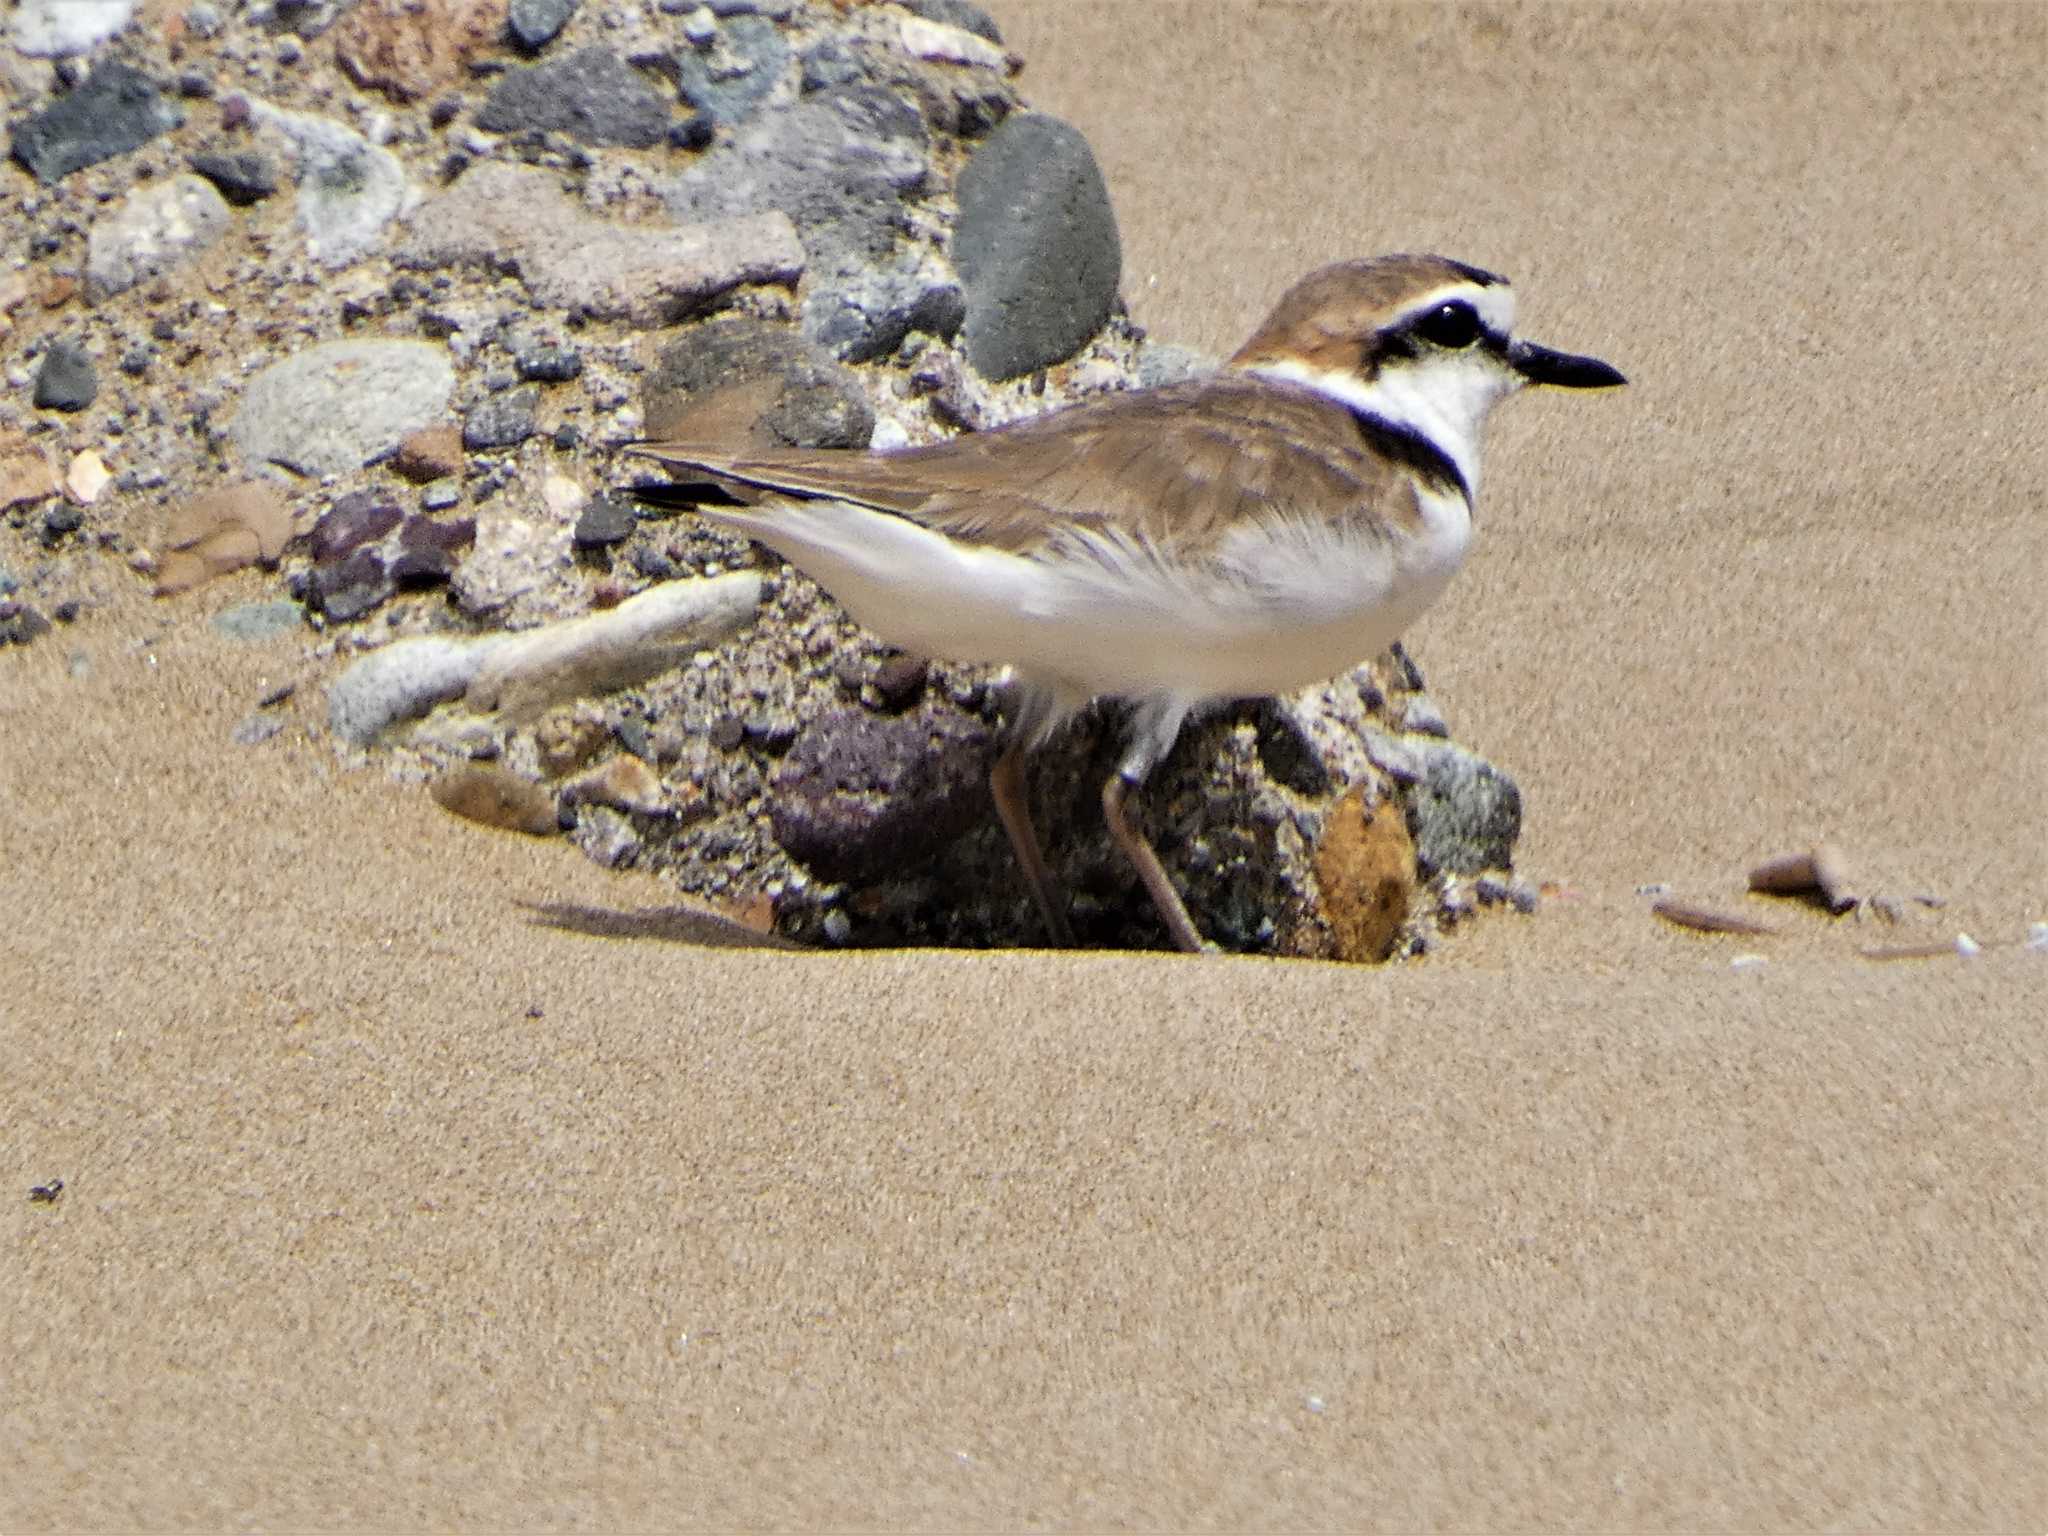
1967,946
2037,938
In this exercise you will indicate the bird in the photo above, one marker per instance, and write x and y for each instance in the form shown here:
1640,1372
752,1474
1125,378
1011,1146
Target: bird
1240,534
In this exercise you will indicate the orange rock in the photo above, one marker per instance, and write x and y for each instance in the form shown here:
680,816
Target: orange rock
1365,870
408,48
25,472
432,453
497,797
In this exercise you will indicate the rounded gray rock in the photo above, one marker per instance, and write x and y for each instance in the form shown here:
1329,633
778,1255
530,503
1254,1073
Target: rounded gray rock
333,408
66,381
158,227
1036,247
592,95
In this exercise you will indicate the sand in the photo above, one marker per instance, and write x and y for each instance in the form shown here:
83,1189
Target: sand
399,1194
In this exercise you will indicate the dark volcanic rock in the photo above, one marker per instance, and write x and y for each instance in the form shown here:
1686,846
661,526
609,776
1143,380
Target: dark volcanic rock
242,179
860,798
727,97
503,421
66,381
548,365
819,404
20,623
592,95
1036,247
536,23
357,519
604,522
113,110
350,588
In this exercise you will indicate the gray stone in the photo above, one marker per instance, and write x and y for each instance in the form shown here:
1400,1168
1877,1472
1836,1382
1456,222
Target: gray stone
548,365
1036,247
536,23
21,623
157,228
502,421
863,315
51,29
334,407
861,798
349,188
243,178
729,84
66,380
839,163
1463,812
592,95
510,217
113,110
604,522
819,403
350,588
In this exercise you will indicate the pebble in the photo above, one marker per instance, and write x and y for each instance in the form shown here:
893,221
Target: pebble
50,29
728,84
411,48
592,95
349,188
1036,247
66,379
501,421
549,365
861,798
243,178
536,23
351,587
259,621
432,453
21,623
87,477
497,797
157,228
62,519
500,216
817,404
114,110
604,522
334,407
25,475
1464,812
964,14
357,519
221,531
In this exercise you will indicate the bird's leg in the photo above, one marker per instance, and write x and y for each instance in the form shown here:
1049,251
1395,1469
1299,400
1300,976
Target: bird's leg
1006,784
1153,729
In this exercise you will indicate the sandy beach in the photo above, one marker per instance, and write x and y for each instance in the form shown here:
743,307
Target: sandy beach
420,1176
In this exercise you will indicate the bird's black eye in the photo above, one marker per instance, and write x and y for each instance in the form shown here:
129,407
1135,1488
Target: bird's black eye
1455,324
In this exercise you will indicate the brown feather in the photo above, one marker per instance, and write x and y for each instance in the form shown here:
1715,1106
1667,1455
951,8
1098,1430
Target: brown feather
1177,467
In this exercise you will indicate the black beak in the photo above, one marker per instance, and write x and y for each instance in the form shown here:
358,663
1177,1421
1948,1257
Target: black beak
1540,365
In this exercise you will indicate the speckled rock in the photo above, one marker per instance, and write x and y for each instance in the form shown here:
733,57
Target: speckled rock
409,48
54,29
861,798
729,81
1036,247
511,217
334,407
592,95
501,421
349,188
536,23
814,403
114,110
156,229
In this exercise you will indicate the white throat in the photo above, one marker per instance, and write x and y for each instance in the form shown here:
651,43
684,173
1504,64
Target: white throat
1445,399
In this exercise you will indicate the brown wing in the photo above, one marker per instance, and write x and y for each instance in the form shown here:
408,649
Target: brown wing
1176,465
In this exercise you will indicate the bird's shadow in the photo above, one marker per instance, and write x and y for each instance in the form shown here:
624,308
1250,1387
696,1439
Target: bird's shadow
675,925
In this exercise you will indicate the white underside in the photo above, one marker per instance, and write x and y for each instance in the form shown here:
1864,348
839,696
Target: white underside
1287,603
